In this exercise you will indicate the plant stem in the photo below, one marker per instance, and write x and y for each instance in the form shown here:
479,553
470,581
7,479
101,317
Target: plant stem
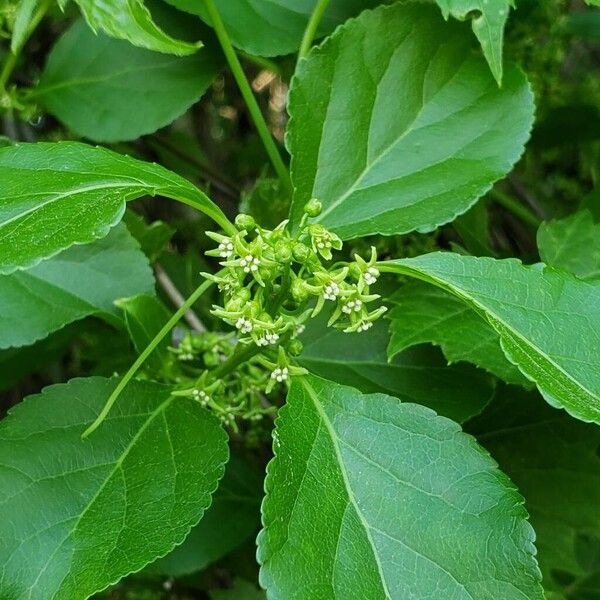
311,28
13,57
515,207
246,90
145,354
241,356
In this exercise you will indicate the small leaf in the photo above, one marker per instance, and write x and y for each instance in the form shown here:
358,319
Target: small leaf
488,19
79,515
407,133
273,28
548,321
57,195
145,316
130,20
78,282
232,518
107,90
554,461
22,20
368,497
572,244
418,375
423,313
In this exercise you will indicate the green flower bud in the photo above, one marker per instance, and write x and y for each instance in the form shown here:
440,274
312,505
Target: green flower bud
295,347
300,291
313,208
246,222
283,251
301,252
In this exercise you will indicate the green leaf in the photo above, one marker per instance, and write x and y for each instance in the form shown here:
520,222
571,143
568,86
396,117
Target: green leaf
405,134
130,20
22,21
78,282
79,515
555,463
371,498
418,375
488,20
107,90
232,518
548,321
425,314
145,316
57,195
572,244
275,27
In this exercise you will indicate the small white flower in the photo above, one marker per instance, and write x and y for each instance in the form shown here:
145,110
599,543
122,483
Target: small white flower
280,374
186,356
201,396
272,338
349,307
371,275
250,263
331,291
364,326
300,329
226,248
357,305
244,325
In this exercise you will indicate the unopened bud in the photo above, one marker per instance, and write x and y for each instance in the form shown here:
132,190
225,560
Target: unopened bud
313,208
295,347
246,222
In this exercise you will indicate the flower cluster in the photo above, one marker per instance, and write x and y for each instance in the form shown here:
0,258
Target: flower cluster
273,281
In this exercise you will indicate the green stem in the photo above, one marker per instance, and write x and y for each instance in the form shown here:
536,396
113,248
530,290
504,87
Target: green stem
244,354
211,210
246,90
311,28
515,207
13,57
145,354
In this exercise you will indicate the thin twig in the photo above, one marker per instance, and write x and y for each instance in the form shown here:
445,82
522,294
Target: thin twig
177,299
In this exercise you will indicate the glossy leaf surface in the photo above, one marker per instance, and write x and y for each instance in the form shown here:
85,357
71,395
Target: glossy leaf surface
78,282
368,497
57,195
107,90
548,321
84,513
407,133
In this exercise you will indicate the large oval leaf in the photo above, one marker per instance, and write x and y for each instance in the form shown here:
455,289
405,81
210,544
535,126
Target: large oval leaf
397,126
108,90
419,375
130,20
371,498
548,321
80,281
275,27
78,515
57,195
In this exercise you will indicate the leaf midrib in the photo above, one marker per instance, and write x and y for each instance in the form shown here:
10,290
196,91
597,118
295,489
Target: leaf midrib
351,499
118,465
482,308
